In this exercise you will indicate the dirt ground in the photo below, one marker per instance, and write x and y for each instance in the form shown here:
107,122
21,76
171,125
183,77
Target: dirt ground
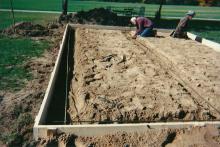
18,109
198,64
117,80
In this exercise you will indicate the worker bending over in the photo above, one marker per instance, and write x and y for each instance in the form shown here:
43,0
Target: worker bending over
144,26
181,29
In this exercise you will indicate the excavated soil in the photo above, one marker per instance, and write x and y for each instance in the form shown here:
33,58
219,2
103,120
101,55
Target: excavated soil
117,80
198,64
27,29
95,16
100,16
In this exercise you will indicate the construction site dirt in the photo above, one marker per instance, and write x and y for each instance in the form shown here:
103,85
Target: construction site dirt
121,80
202,137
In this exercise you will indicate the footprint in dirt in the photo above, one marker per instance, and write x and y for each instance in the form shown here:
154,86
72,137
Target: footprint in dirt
1,98
108,58
92,78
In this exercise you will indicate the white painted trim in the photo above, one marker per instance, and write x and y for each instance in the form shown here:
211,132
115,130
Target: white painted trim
44,105
191,36
214,45
211,44
104,129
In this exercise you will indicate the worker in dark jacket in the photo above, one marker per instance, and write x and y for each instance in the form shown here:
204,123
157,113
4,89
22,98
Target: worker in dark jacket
181,29
144,26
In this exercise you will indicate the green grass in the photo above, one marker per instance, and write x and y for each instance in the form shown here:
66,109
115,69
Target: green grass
14,53
77,5
40,18
211,35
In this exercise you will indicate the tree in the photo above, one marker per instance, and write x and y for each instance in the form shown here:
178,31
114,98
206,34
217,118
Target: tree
158,13
64,6
13,16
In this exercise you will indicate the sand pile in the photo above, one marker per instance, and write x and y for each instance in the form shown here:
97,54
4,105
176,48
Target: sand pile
95,16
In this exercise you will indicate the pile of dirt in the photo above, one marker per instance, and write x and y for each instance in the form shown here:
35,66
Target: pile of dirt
27,29
95,16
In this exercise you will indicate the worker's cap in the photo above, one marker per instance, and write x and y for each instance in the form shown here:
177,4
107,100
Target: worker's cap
133,20
191,13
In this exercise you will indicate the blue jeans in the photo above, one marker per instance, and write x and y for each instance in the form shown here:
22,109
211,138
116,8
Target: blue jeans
147,32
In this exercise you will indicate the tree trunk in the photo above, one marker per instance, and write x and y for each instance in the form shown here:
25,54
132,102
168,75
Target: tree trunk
158,13
13,16
65,6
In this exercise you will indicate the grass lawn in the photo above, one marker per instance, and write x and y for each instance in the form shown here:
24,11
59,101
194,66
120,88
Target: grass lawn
211,35
40,18
14,53
77,5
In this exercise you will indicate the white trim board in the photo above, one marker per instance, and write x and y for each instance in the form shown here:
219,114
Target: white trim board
211,44
47,97
104,129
